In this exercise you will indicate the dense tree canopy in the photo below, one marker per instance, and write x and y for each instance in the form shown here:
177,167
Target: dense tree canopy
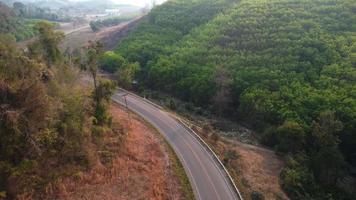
290,64
47,47
166,25
111,61
15,22
12,24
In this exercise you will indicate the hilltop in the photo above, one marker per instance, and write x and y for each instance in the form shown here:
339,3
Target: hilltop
284,68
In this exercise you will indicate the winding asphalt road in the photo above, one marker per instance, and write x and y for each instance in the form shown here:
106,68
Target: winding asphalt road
208,179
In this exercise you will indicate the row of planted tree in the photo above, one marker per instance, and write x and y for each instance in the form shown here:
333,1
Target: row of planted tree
285,68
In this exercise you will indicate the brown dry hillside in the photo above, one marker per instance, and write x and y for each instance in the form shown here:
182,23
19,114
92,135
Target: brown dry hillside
142,168
109,36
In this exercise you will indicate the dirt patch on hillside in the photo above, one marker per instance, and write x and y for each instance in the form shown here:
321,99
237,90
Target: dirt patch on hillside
141,168
258,170
109,36
254,169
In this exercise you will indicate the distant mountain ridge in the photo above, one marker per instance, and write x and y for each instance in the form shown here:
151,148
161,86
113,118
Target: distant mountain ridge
57,4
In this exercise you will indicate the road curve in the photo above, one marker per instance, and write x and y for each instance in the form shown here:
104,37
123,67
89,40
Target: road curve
208,180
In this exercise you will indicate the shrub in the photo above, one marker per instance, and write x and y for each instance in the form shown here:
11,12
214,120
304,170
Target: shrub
101,96
255,195
290,137
111,61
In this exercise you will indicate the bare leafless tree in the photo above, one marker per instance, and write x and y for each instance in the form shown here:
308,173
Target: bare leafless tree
222,98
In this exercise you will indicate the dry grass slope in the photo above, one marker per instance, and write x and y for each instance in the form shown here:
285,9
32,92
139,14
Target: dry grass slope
141,168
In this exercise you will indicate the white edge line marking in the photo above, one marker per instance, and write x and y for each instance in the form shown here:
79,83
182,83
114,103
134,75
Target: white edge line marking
200,139
213,153
181,158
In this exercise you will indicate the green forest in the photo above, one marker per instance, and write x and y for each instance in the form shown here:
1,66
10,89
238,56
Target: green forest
19,22
285,68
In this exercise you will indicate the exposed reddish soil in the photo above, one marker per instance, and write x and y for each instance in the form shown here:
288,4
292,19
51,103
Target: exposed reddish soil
140,169
260,169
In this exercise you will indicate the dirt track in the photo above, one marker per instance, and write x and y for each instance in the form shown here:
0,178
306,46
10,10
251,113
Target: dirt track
110,36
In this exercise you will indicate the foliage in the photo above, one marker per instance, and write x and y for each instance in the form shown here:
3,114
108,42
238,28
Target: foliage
290,137
103,89
278,63
295,180
40,117
229,156
257,196
324,148
14,25
101,96
15,22
111,61
91,60
25,107
44,116
32,11
111,21
166,25
95,27
47,45
126,74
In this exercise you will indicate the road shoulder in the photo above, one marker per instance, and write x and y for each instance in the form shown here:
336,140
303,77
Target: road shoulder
134,162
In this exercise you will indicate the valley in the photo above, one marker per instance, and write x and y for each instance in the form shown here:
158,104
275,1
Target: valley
109,36
178,99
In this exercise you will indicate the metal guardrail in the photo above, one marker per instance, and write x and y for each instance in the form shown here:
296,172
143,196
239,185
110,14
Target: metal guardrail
214,156
201,141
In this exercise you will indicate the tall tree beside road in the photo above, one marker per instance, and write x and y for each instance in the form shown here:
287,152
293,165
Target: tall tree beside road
48,44
94,52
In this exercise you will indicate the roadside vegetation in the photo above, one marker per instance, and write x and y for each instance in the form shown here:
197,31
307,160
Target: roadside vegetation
62,138
111,21
124,71
47,123
33,11
284,68
255,170
13,22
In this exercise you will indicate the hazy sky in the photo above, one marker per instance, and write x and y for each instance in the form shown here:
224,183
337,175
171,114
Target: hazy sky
137,2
